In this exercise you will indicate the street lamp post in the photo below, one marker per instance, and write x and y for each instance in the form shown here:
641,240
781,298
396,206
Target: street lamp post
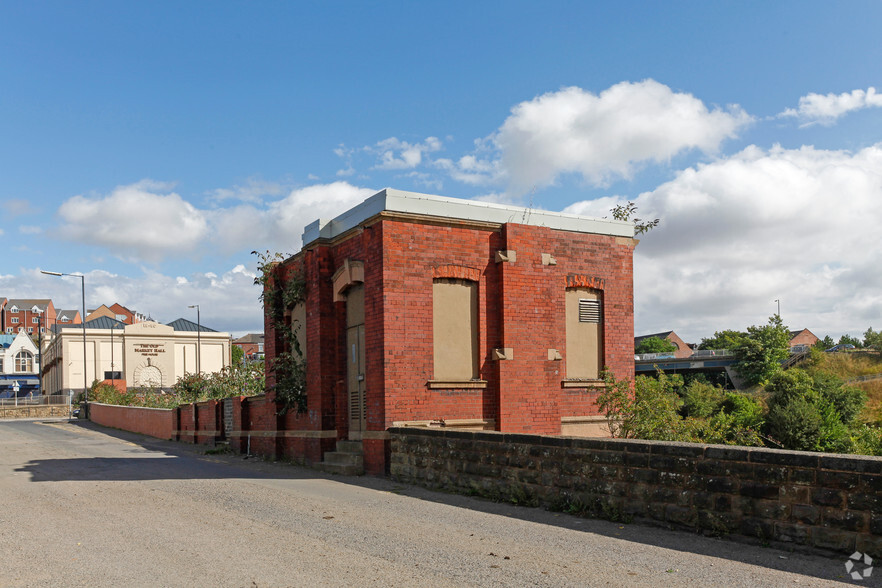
779,306
112,378
83,290
198,338
40,349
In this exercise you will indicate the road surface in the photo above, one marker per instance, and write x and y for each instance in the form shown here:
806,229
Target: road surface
86,506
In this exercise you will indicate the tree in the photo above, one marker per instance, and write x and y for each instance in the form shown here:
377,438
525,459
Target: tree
238,354
873,339
727,339
759,354
849,340
624,212
655,345
812,413
825,343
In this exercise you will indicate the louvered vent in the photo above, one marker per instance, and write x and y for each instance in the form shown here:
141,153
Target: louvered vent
589,311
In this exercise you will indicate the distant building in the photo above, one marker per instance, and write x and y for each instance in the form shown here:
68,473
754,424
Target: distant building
68,317
146,354
117,312
18,365
684,349
251,345
803,337
26,315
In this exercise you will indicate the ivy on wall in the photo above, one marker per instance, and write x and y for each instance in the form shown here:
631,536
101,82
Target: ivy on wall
279,298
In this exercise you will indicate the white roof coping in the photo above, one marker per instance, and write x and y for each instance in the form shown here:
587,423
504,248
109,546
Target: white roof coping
392,200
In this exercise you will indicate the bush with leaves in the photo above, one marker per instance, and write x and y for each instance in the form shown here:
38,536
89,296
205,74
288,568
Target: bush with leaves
812,414
727,339
651,412
759,354
655,345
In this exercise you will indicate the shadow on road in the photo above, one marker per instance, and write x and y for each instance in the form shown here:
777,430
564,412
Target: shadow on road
185,461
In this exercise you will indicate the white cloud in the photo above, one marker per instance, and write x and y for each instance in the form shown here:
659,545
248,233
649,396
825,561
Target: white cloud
29,230
825,109
604,136
287,217
395,154
135,222
17,207
797,225
228,301
254,190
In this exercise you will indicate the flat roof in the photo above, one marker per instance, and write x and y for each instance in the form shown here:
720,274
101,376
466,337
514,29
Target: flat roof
390,200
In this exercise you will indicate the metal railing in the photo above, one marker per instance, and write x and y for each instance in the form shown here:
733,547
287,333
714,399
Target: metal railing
39,400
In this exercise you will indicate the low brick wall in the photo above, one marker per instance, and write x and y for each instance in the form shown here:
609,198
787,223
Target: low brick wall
810,499
156,422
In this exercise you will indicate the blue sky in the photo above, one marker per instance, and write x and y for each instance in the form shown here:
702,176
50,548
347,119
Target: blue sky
153,146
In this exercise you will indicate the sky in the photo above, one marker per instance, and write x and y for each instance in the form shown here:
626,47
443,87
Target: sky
154,146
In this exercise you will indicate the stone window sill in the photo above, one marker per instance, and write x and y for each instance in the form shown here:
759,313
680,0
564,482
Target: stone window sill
574,383
456,384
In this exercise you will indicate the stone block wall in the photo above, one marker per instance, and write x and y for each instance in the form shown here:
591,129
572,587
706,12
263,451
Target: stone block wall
809,499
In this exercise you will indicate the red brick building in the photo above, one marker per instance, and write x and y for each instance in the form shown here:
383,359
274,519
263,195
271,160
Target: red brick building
429,311
27,315
803,337
683,349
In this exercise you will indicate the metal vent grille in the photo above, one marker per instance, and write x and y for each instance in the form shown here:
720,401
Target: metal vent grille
589,311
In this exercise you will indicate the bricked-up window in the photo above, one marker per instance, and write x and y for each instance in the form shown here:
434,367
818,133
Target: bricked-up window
455,329
584,333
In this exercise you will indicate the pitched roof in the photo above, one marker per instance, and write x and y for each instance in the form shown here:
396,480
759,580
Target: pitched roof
659,335
28,303
183,324
104,322
250,338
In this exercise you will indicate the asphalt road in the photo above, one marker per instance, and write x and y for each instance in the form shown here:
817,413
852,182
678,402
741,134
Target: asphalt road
85,506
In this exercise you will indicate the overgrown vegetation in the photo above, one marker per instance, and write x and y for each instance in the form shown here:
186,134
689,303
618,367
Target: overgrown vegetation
279,299
655,345
236,380
808,408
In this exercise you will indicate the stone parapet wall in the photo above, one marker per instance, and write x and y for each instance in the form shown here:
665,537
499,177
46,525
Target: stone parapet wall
808,499
34,411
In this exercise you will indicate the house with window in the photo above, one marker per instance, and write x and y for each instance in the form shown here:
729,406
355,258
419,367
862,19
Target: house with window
31,316
425,311
251,346
117,312
19,365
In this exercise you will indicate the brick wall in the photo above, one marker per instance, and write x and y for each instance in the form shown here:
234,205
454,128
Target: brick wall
521,305
810,499
155,422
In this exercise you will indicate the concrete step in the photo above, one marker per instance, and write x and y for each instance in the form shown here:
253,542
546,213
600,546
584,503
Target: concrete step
348,460
340,469
337,457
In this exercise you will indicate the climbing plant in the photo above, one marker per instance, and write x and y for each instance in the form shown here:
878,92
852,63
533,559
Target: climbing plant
279,298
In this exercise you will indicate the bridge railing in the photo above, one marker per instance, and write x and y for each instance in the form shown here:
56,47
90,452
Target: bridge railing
703,353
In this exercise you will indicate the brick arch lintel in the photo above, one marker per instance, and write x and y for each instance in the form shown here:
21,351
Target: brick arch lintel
351,272
583,281
459,272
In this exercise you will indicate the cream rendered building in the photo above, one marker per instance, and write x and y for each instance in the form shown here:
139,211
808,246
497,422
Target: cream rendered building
143,355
